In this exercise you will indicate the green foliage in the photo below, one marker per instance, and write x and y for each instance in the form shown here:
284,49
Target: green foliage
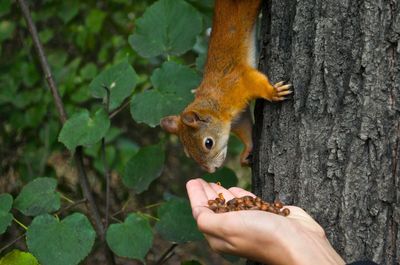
5,215
82,129
120,79
160,31
144,167
227,177
38,197
132,239
176,221
65,242
17,257
171,93
91,46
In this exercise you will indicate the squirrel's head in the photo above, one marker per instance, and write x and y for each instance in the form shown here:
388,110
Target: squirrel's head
204,137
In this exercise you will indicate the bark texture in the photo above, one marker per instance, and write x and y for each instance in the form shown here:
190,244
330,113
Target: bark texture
334,147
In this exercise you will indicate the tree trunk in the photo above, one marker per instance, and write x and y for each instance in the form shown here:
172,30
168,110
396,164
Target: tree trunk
334,147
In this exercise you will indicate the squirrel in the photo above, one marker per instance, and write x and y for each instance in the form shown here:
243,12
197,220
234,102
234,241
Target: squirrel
229,83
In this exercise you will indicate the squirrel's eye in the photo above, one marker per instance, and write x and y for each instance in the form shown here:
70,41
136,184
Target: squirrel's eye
208,143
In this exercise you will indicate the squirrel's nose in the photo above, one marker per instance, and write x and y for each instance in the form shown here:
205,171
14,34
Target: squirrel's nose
209,169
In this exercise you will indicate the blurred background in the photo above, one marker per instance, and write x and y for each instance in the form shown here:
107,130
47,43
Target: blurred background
82,39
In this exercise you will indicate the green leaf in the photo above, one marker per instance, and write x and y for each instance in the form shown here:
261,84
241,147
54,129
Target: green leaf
89,71
38,196
230,258
171,94
68,10
94,21
5,6
235,145
131,239
120,79
17,257
226,176
201,61
81,129
144,167
6,30
46,35
62,243
5,215
167,27
176,222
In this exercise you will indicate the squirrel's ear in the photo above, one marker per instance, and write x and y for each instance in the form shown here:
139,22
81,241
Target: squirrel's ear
170,124
190,118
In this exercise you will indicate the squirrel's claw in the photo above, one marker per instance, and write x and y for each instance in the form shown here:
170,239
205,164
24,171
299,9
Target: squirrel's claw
281,91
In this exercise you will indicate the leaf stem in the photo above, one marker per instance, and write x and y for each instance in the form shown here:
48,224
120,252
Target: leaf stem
12,242
148,216
165,256
66,198
20,224
72,205
120,108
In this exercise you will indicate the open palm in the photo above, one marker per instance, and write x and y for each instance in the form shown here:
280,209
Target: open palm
259,235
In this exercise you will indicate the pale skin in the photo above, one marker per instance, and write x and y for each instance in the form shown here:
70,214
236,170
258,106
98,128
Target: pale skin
258,235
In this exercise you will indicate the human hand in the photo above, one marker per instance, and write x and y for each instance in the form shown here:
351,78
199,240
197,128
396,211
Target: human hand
258,235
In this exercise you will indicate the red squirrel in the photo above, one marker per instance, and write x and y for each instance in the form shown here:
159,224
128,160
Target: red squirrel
229,83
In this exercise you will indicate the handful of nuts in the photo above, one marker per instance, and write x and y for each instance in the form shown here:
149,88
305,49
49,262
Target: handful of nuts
246,203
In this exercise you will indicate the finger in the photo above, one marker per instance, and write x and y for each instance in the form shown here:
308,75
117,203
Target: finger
219,189
238,192
285,87
211,194
197,196
284,93
279,84
278,98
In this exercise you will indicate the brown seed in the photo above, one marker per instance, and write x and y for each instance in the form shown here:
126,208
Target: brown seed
278,204
258,199
221,197
286,211
222,210
239,200
213,207
232,202
248,198
258,204
264,207
220,201
248,203
271,209
211,202
218,183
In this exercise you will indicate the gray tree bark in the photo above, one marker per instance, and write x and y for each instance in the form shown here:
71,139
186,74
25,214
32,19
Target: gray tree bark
334,147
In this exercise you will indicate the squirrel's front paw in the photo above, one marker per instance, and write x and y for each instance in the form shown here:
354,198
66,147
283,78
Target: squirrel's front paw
246,158
281,90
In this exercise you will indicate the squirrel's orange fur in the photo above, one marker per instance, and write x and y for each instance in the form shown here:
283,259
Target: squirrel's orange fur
230,81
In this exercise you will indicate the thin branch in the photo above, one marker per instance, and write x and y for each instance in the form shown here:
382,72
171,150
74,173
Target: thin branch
66,208
120,108
84,182
63,117
12,242
164,257
107,174
43,61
